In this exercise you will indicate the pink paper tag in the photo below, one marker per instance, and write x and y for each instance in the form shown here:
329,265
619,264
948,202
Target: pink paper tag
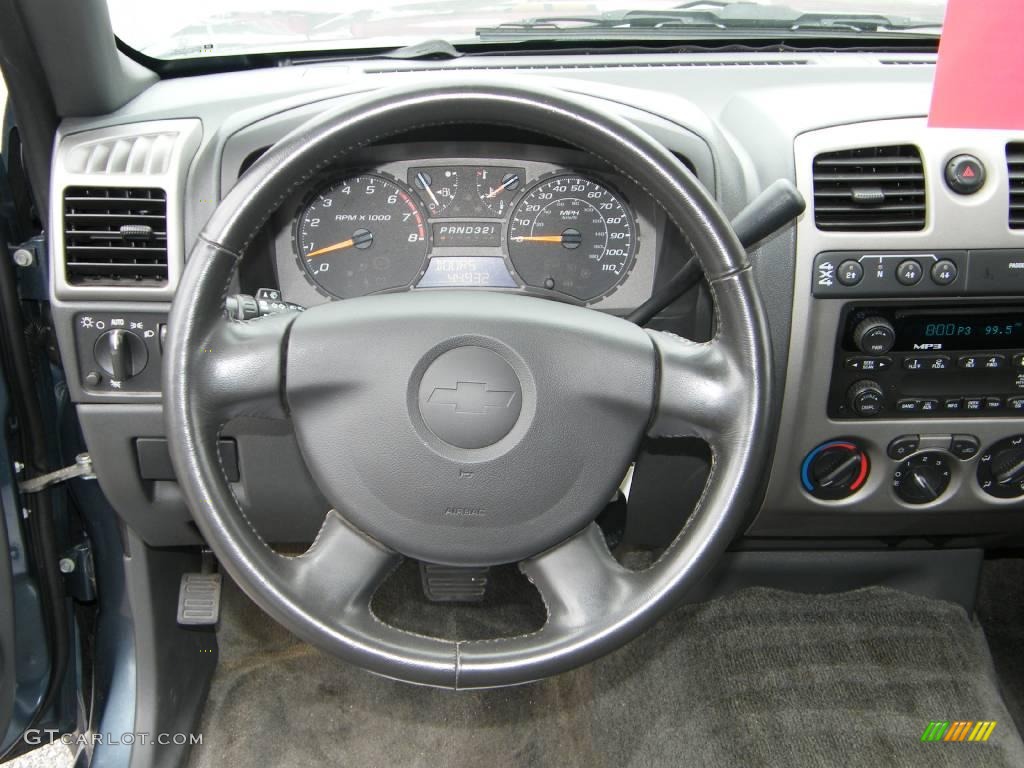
979,79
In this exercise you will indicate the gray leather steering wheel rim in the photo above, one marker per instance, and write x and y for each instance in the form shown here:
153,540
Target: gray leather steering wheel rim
216,370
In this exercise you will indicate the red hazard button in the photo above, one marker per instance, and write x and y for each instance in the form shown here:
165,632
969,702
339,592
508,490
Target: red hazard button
965,174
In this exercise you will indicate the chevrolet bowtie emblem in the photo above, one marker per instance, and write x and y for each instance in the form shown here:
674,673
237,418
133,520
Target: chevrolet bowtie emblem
471,397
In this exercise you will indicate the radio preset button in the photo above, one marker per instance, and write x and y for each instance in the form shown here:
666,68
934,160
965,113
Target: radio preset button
944,272
1018,361
964,447
993,362
968,361
927,363
909,272
850,273
903,446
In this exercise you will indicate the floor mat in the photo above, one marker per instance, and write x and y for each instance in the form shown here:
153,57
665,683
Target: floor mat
759,678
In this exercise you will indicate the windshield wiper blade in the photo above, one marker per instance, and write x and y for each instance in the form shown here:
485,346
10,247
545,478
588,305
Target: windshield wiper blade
743,16
424,50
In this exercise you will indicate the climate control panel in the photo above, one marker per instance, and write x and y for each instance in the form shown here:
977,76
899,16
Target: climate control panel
929,361
119,352
922,469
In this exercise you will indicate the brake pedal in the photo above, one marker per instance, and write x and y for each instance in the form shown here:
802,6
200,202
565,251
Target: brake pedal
199,599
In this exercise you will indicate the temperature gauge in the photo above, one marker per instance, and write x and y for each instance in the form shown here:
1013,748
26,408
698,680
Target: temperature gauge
497,187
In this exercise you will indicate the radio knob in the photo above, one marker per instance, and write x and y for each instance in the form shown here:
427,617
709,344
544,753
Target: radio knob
865,398
874,336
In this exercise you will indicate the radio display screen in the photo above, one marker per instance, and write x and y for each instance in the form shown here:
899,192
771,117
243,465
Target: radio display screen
1004,330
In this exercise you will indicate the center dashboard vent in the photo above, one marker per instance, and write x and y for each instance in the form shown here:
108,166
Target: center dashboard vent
871,189
115,236
1015,167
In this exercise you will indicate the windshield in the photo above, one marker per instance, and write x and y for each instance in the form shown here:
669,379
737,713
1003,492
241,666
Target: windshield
194,28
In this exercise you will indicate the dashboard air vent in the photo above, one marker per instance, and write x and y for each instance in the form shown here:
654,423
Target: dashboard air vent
1015,166
872,189
115,236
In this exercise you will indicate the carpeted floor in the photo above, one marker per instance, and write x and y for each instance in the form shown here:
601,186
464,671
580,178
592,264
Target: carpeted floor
760,678
1001,612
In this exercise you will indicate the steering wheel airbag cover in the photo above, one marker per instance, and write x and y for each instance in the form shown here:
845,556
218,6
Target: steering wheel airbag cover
586,383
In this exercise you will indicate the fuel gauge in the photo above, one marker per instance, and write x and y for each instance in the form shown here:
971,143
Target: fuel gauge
497,187
437,187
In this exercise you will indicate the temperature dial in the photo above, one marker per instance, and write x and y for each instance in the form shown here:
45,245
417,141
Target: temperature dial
922,478
1001,469
835,470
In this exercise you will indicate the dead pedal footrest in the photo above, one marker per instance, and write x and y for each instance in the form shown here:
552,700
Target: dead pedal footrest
452,584
199,599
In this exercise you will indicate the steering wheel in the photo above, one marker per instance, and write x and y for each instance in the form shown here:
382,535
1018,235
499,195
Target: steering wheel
576,392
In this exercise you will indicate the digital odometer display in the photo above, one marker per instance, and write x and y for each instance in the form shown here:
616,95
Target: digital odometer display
1003,330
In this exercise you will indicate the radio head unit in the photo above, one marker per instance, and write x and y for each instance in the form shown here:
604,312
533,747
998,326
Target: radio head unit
936,360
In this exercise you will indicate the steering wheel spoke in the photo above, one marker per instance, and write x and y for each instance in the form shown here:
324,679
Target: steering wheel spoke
343,568
698,391
239,368
578,580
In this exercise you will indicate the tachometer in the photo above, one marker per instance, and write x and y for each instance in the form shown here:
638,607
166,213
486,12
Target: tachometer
362,235
573,235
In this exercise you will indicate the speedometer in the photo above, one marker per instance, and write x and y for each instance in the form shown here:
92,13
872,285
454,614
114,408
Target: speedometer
362,235
573,235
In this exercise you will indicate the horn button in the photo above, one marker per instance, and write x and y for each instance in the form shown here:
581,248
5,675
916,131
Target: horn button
470,397
467,429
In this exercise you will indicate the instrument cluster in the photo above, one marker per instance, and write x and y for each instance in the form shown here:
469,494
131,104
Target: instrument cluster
544,228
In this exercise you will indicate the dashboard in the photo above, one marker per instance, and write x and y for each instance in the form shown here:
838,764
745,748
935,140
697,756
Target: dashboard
895,303
535,220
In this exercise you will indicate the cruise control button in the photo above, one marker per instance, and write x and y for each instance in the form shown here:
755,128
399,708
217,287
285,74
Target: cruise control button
850,273
964,446
909,272
944,272
908,405
903,446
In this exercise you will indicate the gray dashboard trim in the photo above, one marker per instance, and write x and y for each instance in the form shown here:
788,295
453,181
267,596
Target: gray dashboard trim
170,178
953,221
